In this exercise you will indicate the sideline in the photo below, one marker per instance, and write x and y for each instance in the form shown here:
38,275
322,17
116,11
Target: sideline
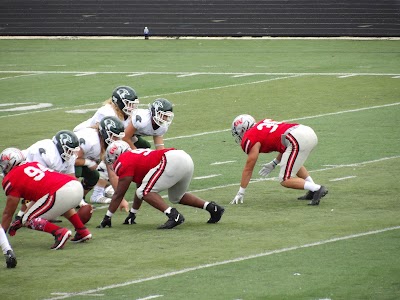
225,262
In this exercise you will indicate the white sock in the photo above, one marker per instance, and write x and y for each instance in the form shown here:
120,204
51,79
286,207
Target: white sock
309,179
98,192
168,210
205,205
311,186
5,245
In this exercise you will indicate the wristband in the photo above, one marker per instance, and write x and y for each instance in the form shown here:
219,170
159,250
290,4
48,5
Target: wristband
109,213
159,145
89,163
242,190
275,161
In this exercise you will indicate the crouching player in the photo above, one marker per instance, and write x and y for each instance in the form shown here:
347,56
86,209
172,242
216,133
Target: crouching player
52,194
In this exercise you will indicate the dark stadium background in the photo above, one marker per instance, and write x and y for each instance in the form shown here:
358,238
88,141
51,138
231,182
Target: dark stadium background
175,18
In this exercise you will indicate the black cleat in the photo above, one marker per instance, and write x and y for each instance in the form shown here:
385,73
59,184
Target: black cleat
174,219
318,195
215,211
308,196
11,260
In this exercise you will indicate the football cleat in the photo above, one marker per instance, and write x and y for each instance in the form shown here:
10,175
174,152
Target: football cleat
82,235
61,237
308,196
318,195
100,199
215,211
174,219
11,260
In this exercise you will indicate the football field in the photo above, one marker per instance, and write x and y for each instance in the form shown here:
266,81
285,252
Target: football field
272,246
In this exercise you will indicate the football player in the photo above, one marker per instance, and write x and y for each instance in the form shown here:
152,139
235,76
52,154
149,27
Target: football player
58,154
51,194
154,122
123,102
93,143
155,171
293,142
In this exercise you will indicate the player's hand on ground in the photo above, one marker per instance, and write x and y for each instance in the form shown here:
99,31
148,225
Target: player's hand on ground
106,222
238,198
130,219
17,224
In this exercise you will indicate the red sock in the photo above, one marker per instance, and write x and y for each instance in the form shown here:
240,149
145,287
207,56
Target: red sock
76,221
42,225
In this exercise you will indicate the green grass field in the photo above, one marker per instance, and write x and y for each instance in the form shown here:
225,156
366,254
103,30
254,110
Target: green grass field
272,246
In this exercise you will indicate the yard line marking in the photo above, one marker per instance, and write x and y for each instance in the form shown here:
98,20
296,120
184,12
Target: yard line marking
243,75
135,74
225,262
346,76
208,176
343,178
150,297
85,74
30,107
222,162
188,75
16,76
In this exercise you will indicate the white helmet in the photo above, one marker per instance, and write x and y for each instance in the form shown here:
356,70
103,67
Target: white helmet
240,125
10,158
115,149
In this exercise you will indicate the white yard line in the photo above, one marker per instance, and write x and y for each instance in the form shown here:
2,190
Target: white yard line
225,262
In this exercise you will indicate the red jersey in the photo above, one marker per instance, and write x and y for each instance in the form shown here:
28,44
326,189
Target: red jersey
32,181
267,132
137,163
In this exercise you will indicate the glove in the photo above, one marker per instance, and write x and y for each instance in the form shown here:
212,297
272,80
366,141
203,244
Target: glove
267,168
239,197
130,219
17,224
106,222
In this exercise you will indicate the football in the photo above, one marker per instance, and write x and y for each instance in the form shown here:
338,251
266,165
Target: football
85,213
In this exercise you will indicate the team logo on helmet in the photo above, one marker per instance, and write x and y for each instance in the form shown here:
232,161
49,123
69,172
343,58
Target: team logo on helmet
109,123
123,93
65,138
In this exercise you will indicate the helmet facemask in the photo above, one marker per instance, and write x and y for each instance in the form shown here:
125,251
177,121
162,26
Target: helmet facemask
130,106
69,153
161,111
163,118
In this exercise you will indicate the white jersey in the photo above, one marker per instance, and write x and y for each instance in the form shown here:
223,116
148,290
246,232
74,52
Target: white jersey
106,110
141,120
89,142
46,153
